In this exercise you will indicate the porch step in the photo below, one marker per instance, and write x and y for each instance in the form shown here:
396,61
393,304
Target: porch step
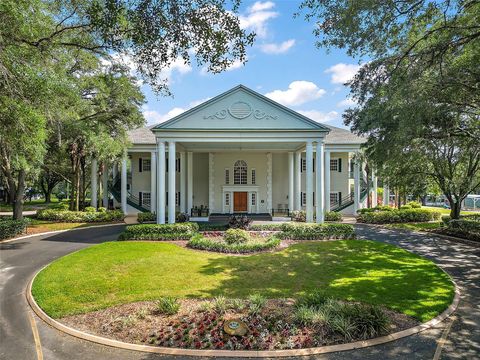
217,217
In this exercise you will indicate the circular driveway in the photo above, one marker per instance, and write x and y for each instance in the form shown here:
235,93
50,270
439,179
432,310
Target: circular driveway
24,336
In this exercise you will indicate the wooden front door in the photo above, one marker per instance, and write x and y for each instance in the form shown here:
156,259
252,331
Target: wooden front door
240,200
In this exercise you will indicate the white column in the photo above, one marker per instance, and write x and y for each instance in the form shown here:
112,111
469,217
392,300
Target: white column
320,167
327,181
123,185
356,182
94,185
153,181
269,183
386,194
231,202
211,183
114,171
291,181
183,183
374,190
171,182
189,181
161,182
105,186
309,182
298,180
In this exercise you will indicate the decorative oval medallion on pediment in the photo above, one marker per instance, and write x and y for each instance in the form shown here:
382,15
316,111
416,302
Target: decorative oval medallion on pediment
240,110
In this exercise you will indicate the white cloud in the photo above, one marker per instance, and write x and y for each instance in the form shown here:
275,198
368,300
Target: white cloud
281,48
298,92
257,17
348,102
154,117
237,64
179,66
319,116
342,73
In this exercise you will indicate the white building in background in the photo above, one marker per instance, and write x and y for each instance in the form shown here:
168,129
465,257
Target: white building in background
240,152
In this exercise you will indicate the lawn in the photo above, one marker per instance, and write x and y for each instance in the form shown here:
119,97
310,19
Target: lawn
29,205
39,226
121,272
444,211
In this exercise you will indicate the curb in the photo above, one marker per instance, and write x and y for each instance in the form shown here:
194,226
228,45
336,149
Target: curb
58,232
239,353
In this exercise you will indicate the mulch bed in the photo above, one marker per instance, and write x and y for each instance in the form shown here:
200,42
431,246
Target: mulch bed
198,326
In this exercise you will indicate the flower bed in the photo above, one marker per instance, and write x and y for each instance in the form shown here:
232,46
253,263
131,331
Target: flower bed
299,231
178,231
218,244
10,228
102,215
269,324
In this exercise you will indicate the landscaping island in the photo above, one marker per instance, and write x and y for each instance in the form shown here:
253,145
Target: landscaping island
308,293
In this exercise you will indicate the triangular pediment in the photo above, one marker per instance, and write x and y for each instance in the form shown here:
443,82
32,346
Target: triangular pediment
240,109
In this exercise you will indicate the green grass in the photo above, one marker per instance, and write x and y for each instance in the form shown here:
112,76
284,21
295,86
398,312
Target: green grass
45,225
121,272
444,211
29,205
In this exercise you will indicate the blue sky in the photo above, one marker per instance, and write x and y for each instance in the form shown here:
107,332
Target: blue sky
283,64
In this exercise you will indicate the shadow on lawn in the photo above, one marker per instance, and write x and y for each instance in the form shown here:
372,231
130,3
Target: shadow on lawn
365,271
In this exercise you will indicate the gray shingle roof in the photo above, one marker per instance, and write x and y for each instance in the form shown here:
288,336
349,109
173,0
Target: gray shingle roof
144,136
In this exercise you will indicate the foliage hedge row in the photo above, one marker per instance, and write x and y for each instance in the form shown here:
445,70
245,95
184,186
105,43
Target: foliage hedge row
266,227
295,231
465,227
397,216
10,228
236,236
201,243
333,216
80,216
146,217
178,231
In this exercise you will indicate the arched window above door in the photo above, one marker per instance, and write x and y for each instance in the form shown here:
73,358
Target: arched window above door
240,173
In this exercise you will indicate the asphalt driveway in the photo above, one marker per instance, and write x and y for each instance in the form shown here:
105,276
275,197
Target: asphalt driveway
456,338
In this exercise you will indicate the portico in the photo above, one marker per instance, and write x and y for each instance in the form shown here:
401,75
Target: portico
240,152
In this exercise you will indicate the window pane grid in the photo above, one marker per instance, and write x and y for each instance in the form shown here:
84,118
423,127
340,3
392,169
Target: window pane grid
146,199
240,173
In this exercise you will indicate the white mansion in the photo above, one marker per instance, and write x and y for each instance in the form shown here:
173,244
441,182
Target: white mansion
240,152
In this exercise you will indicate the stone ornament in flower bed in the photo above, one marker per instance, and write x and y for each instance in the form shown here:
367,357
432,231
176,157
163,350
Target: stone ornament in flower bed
235,327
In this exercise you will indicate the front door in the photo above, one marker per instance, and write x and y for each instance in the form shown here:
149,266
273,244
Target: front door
240,200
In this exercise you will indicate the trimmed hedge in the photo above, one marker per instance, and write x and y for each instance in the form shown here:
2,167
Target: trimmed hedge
266,227
201,243
10,228
294,231
178,231
80,216
299,215
467,227
398,216
333,216
205,226
146,217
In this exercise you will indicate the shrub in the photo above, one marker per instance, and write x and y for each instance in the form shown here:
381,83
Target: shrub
236,236
180,231
414,204
203,243
79,216
239,222
205,226
10,228
398,216
375,209
266,227
182,217
465,228
316,231
405,207
220,305
446,219
168,305
102,209
299,216
90,209
333,216
144,217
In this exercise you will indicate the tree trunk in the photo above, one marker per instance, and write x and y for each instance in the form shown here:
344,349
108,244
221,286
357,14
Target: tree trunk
455,208
18,198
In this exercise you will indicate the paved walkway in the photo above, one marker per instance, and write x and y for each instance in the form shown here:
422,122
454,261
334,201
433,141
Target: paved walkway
20,259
